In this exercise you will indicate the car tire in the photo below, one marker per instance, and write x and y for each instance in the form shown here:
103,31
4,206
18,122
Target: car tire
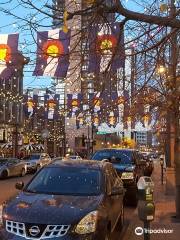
4,174
23,172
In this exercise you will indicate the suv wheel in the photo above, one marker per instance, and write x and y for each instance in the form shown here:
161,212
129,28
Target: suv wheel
4,174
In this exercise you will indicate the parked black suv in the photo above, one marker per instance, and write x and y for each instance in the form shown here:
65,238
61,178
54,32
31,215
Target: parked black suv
129,165
66,200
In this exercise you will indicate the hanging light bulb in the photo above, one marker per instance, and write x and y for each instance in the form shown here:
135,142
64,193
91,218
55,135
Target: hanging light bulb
163,7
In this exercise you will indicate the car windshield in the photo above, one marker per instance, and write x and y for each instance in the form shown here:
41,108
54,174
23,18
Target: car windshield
121,156
33,157
74,157
66,181
3,161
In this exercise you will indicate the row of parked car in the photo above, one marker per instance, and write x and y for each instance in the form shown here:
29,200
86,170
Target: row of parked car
71,198
19,167
10,167
130,166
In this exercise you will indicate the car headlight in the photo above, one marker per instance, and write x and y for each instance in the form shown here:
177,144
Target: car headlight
127,175
2,214
87,224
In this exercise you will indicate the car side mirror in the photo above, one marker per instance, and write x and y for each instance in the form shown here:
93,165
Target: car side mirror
117,191
19,185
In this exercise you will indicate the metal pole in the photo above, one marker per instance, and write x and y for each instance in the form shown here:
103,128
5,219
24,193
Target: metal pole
54,142
45,139
88,142
162,174
146,232
15,141
64,145
92,137
105,140
64,125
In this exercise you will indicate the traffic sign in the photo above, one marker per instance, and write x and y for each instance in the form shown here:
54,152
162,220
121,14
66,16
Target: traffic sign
99,133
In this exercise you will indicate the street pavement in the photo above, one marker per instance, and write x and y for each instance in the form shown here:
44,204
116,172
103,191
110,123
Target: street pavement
7,186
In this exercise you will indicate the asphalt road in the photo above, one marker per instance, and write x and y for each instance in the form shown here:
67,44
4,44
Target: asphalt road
7,190
7,186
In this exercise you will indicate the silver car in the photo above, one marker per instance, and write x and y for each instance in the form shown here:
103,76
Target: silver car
37,161
12,167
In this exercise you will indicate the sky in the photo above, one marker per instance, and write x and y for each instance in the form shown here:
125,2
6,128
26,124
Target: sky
9,24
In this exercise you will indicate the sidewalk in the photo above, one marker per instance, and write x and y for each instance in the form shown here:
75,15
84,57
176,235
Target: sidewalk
165,208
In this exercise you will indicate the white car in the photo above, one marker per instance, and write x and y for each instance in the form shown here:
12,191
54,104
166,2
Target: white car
37,160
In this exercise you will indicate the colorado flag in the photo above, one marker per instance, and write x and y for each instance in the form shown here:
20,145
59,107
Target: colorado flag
8,53
52,53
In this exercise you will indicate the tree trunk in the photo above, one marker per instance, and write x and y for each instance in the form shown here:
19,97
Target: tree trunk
175,107
177,161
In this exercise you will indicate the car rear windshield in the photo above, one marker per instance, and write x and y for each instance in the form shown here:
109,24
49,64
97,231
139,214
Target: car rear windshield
66,181
121,156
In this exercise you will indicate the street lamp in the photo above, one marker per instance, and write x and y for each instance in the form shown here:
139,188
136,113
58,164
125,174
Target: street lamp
161,69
